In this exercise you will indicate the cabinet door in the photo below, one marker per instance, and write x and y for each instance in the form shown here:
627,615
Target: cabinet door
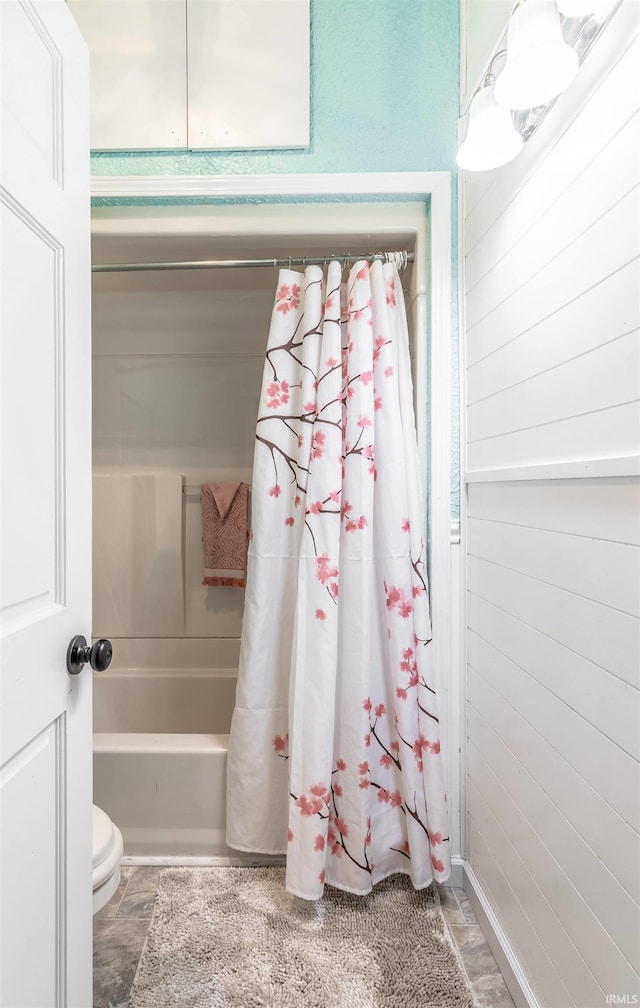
138,62
248,74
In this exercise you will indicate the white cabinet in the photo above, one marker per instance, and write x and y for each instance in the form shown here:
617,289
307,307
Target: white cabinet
197,74
248,73
138,63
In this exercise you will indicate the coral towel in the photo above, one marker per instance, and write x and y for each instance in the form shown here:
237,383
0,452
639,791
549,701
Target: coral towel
224,533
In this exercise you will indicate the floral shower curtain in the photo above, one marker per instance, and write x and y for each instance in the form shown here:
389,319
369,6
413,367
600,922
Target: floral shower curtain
334,753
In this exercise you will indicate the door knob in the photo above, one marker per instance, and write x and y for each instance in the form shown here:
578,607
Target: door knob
79,652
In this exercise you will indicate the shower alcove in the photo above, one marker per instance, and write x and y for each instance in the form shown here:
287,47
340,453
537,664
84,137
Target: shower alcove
177,365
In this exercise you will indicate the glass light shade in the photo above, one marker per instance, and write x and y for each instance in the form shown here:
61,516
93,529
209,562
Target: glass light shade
492,139
584,8
578,8
539,62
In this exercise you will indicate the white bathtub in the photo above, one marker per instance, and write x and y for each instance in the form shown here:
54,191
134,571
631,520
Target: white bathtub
160,748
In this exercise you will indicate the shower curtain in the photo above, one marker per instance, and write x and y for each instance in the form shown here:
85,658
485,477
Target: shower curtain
334,754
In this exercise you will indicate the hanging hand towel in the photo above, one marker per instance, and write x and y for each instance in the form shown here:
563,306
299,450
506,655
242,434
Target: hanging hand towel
224,533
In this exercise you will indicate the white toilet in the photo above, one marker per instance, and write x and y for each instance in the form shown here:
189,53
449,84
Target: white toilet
108,848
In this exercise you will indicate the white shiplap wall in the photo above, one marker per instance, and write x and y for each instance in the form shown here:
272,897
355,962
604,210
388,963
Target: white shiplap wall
551,283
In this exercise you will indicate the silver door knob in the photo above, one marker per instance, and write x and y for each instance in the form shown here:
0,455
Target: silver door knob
79,653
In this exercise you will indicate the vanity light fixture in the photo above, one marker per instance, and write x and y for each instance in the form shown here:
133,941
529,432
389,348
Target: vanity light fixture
546,41
540,64
492,139
578,8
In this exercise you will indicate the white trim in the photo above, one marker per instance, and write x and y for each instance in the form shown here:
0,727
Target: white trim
463,597
440,474
596,468
421,322
214,861
456,878
434,187
421,184
238,860
498,942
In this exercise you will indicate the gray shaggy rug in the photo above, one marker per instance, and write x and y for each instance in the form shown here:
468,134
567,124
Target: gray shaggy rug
234,938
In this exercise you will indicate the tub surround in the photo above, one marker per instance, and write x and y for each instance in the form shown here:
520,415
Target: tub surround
160,744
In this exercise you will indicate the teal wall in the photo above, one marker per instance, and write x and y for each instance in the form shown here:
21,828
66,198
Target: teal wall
384,97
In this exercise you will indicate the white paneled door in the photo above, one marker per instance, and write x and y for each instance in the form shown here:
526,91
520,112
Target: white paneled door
45,740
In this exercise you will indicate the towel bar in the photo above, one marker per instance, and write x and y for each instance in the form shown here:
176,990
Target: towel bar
194,489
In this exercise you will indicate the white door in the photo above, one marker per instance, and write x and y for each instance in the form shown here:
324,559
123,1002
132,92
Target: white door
45,714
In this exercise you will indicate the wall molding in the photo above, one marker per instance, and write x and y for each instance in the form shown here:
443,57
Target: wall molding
595,468
415,184
498,942
434,189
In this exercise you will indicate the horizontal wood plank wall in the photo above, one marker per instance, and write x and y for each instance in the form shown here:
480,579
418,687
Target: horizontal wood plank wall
552,317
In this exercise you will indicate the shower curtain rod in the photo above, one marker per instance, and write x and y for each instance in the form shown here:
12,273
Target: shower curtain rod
399,258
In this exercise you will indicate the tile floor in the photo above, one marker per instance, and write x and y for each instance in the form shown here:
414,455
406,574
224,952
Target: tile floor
120,928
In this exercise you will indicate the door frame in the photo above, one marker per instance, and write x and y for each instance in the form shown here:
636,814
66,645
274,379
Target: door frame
434,190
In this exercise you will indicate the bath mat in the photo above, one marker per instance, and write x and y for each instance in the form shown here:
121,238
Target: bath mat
234,938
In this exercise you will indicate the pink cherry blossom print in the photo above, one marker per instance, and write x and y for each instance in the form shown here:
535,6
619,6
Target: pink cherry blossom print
319,790
337,670
277,394
317,444
288,297
341,826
